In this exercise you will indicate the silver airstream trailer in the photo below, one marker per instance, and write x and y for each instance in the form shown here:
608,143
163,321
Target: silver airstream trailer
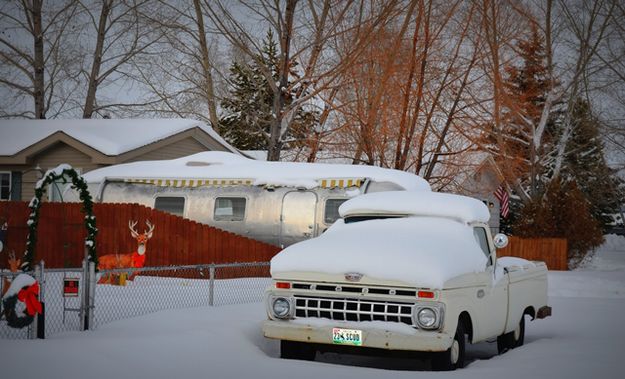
276,202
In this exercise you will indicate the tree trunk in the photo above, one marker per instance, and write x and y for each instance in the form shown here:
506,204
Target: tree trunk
97,60
277,125
206,66
39,77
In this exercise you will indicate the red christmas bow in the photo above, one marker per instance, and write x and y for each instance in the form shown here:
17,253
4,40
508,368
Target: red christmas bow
29,295
138,260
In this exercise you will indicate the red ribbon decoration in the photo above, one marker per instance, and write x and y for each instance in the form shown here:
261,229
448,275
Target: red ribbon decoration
28,295
138,260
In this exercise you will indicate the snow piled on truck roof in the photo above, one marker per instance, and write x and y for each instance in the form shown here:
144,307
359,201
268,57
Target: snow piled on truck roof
421,251
436,204
221,165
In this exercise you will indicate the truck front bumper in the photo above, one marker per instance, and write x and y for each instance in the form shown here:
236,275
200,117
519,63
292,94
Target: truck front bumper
416,340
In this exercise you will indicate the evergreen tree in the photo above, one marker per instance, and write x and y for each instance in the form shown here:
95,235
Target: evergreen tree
249,108
585,163
561,212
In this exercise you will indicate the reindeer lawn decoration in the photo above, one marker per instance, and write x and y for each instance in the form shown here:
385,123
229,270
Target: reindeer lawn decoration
136,259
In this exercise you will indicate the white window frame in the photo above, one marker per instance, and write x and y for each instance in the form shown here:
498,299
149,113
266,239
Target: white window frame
10,185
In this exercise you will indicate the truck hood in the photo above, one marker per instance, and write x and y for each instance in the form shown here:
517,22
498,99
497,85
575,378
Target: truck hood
424,252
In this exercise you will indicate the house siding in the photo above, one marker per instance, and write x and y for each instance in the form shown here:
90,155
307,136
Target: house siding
50,158
174,150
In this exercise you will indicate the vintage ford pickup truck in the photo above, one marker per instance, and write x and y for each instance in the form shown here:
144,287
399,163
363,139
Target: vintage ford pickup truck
403,272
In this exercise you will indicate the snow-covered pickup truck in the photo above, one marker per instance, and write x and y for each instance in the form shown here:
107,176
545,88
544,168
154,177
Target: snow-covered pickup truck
403,271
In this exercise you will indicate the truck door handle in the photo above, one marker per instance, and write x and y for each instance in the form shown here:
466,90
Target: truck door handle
480,294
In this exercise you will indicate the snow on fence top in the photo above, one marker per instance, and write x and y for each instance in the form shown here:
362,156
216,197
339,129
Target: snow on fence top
436,204
220,165
109,136
423,252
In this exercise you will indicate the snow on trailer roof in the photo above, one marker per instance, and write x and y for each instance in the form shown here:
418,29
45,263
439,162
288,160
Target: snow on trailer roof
109,136
234,169
436,204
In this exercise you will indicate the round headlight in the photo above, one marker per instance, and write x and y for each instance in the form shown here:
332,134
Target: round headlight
281,307
426,317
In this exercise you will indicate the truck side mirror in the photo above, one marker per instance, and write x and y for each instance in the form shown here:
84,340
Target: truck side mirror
500,240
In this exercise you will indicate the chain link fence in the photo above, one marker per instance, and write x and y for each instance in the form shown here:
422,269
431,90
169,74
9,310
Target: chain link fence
125,293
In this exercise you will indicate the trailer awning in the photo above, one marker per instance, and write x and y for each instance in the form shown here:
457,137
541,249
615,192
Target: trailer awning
323,183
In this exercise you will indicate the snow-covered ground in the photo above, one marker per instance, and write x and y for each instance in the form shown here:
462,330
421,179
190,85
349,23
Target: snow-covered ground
584,338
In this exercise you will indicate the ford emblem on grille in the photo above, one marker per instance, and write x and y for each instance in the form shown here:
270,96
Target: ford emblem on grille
353,276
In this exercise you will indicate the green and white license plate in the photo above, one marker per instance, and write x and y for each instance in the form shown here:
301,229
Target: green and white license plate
347,336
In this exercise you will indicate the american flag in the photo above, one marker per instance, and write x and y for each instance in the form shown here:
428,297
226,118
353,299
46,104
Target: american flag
504,204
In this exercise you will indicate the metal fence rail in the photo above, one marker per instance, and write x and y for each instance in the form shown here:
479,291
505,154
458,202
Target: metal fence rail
152,289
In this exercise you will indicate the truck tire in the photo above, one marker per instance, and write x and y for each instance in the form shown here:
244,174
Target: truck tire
453,357
297,350
512,339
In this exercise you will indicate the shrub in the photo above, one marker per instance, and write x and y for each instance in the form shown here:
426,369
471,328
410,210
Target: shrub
561,212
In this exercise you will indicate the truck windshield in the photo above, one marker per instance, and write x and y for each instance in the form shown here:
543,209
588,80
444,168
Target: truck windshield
352,219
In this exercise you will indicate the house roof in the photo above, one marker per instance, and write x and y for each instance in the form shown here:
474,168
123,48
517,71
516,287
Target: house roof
110,137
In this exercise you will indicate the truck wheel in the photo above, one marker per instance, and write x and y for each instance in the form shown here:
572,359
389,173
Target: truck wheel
297,350
453,357
512,339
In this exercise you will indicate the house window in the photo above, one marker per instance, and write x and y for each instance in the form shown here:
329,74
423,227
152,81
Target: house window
170,204
5,185
229,209
331,212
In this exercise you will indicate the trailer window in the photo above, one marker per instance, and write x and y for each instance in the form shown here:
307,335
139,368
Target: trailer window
229,209
331,213
170,204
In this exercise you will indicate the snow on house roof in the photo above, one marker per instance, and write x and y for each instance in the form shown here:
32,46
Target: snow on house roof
413,250
109,136
214,164
435,204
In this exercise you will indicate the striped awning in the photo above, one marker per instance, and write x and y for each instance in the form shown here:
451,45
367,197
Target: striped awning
341,183
323,183
192,182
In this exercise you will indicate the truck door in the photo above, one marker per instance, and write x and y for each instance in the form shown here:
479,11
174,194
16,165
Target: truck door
491,295
297,217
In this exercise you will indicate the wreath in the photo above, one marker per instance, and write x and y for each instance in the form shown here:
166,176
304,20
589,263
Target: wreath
21,301
60,173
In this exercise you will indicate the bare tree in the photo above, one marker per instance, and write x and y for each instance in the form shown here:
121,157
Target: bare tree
306,33
32,71
123,33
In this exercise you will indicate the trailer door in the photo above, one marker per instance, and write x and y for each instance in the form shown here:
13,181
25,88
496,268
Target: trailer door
297,218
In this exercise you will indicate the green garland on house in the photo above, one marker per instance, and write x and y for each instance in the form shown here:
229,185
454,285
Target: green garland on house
60,173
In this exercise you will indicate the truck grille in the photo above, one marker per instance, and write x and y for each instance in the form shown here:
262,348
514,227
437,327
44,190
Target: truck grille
353,309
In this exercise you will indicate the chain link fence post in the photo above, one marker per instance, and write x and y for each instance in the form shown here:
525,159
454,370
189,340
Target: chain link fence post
32,331
91,295
84,298
211,285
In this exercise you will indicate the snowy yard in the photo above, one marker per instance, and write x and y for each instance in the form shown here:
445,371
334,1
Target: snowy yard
584,338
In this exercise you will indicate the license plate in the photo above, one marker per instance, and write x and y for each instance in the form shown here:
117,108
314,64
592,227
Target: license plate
347,336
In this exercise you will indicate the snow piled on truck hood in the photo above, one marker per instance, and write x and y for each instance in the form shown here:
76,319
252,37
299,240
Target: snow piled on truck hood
221,165
421,251
462,208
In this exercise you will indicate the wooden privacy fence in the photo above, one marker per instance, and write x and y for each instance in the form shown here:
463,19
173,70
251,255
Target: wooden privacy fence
552,251
176,241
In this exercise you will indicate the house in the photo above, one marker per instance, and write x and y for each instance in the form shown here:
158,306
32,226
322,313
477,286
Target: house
30,147
480,180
